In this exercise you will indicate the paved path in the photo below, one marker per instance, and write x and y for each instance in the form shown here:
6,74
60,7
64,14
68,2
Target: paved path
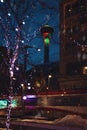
28,124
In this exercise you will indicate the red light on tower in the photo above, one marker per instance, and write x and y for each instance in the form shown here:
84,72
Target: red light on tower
46,38
46,31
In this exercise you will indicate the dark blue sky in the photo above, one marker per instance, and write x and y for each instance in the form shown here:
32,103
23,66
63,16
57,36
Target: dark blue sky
33,14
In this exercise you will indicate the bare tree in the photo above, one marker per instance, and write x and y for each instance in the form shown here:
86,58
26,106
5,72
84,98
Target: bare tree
20,24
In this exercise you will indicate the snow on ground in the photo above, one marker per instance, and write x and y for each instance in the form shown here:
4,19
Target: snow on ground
72,120
68,120
3,129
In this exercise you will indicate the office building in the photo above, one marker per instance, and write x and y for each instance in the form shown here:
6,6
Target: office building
73,43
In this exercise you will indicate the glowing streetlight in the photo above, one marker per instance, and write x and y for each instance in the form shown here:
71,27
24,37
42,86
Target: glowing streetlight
49,77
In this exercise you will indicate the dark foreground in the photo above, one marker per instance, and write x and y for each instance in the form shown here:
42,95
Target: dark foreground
30,125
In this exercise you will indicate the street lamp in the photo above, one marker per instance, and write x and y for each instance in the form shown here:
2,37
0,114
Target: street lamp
26,55
25,48
49,77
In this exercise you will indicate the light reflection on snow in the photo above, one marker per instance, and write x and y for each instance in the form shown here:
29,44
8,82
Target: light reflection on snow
74,121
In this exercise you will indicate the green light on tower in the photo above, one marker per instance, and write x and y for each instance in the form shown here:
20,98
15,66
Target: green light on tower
46,41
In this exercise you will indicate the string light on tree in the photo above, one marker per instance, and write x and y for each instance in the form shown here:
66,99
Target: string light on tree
2,1
14,30
9,14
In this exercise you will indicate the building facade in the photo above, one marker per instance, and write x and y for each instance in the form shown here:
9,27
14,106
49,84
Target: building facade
44,77
73,43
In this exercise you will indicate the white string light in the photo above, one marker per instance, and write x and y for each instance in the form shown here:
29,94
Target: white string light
2,1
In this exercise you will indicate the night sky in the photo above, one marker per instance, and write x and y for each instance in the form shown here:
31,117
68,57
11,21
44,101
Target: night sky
30,16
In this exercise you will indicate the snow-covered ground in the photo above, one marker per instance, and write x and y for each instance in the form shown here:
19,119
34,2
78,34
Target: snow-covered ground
68,120
72,120
3,129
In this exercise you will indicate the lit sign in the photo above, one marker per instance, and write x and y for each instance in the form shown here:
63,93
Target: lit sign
4,103
29,97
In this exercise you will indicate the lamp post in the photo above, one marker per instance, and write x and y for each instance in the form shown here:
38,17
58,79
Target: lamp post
49,77
26,47
46,31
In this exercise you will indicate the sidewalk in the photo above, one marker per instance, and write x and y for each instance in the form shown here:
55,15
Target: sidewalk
4,129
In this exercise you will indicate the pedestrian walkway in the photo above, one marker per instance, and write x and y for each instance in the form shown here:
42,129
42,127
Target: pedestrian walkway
4,129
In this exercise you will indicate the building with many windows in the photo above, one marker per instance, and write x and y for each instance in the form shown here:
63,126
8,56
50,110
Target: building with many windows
44,77
71,71
73,44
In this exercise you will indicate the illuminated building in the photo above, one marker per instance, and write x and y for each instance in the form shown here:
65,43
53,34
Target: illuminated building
73,43
43,77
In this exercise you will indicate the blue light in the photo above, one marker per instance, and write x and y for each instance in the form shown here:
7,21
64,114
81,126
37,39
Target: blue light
29,97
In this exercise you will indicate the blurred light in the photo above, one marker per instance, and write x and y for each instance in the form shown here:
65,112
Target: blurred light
11,73
2,1
14,78
50,76
23,22
47,88
17,68
3,104
14,103
27,16
38,49
28,96
29,87
24,97
28,83
16,29
31,96
10,68
22,85
32,87
22,41
85,70
85,67
9,14
37,84
47,41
